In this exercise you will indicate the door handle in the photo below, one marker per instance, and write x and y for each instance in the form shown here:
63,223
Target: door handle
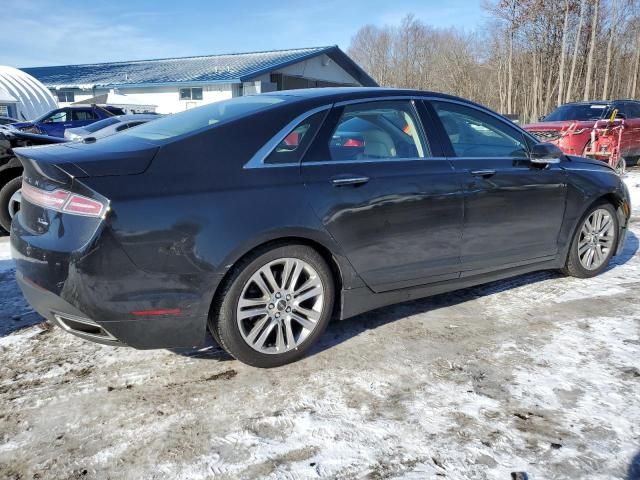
349,180
483,173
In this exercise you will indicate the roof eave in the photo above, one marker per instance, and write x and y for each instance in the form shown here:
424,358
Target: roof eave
333,52
150,84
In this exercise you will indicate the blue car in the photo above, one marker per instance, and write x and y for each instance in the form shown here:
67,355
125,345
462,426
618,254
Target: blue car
55,122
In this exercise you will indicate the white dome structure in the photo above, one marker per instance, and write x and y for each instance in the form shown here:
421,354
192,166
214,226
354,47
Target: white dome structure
22,96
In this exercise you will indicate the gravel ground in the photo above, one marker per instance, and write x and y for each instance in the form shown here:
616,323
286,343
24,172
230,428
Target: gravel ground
538,374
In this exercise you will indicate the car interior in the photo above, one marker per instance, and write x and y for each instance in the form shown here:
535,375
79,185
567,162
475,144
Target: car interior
375,134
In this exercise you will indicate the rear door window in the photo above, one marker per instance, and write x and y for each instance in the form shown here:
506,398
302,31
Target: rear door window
381,130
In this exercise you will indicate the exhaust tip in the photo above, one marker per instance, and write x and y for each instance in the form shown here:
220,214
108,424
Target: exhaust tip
83,327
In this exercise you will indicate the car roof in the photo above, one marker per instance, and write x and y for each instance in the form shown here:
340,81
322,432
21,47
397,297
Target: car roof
594,102
78,107
601,102
325,95
336,93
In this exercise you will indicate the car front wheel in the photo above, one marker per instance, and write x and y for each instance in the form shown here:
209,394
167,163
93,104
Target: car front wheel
594,242
274,306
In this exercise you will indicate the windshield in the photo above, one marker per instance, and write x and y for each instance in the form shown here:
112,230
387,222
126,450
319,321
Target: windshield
577,112
94,127
198,118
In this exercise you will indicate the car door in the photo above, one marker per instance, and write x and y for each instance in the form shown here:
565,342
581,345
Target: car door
513,208
54,124
393,206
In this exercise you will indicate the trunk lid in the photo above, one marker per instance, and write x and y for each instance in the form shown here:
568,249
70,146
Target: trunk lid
117,155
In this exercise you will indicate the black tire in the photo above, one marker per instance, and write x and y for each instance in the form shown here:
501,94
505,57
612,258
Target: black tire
6,192
223,323
573,267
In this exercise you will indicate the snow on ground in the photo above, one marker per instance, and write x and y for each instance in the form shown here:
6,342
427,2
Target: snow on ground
537,374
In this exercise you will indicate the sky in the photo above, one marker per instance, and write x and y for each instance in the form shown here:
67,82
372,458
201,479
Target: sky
61,32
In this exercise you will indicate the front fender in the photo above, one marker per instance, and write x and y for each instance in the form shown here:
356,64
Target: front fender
589,182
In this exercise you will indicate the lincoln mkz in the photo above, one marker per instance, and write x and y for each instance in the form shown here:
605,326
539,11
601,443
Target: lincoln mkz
263,217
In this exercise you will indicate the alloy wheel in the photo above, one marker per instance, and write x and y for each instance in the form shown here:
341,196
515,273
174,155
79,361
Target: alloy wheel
280,306
597,238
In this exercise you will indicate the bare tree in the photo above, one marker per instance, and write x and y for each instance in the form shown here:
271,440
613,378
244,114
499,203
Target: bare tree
575,51
594,31
530,55
612,34
634,75
565,28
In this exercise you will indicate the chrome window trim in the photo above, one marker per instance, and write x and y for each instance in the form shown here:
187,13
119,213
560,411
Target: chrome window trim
259,158
372,160
389,98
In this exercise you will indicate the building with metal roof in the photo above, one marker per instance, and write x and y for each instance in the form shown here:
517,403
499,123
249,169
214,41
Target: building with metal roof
22,96
175,84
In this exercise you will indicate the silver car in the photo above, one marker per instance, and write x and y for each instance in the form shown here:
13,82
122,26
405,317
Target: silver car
108,126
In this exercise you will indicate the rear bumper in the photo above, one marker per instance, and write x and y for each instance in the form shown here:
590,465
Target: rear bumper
141,333
93,293
63,314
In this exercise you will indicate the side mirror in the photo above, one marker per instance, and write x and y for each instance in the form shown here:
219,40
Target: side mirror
545,153
541,118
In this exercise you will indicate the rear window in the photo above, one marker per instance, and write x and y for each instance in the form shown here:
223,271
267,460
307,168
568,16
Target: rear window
94,127
197,118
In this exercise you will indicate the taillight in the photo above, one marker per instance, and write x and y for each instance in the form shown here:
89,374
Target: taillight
80,205
63,201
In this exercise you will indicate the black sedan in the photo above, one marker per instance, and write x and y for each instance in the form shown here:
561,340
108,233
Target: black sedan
265,216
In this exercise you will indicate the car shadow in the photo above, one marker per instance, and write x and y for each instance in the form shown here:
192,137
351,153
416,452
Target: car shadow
339,332
210,351
15,312
631,246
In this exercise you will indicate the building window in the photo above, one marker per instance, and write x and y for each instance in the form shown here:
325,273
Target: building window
4,110
66,96
194,93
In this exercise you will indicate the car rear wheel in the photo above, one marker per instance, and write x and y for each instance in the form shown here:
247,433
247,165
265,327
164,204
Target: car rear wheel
594,242
9,202
275,305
